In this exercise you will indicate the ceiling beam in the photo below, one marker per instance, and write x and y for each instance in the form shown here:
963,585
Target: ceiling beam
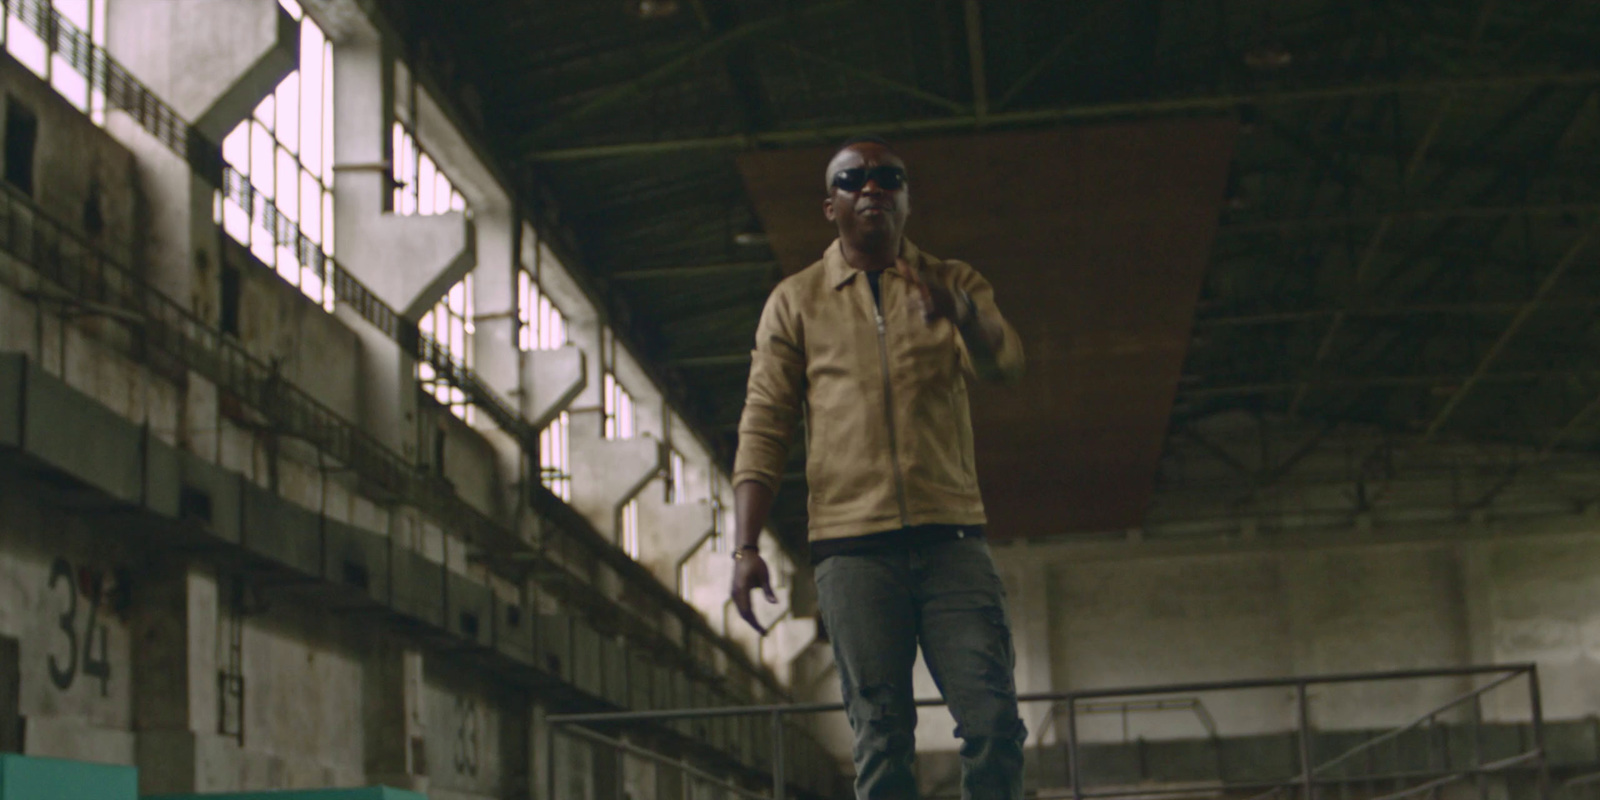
1373,382
1136,108
975,62
1374,243
873,76
700,271
1408,174
1416,310
1511,329
1574,424
1406,215
691,56
1038,69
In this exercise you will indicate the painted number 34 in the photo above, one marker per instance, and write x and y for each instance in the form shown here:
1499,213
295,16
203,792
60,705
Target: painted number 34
64,671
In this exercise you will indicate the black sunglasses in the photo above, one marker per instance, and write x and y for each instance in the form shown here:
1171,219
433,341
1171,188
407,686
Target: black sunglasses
854,179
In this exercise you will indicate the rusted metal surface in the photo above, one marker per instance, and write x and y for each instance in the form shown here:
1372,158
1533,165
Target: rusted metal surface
1096,240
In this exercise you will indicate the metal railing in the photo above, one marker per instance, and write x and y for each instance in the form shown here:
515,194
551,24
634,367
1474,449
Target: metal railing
76,274
127,95
1312,775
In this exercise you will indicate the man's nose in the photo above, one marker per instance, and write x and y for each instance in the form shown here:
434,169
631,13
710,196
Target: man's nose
872,187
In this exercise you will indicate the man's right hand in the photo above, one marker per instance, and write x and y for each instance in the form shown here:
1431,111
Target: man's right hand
749,574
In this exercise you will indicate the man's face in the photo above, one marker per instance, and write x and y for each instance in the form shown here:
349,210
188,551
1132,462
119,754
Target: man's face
871,214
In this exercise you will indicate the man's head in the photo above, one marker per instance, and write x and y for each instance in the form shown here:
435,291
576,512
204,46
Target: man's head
868,194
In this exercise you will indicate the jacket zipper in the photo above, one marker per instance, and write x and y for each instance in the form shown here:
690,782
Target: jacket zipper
888,415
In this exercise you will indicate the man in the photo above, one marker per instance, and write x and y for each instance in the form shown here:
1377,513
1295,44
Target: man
876,342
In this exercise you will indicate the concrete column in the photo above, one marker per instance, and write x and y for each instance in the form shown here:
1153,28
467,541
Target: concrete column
551,381
1027,582
606,473
669,533
494,287
394,718
175,674
212,61
408,262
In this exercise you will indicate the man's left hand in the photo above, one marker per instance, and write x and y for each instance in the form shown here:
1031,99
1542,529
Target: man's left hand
933,300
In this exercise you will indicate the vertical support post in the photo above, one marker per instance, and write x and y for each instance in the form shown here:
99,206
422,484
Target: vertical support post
1072,748
778,778
622,771
1305,741
1477,746
688,782
1536,704
550,761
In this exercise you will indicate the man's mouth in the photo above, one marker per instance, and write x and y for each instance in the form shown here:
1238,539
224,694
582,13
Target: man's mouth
869,211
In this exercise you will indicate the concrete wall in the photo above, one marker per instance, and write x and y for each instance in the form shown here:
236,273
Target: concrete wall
60,584
333,694
79,175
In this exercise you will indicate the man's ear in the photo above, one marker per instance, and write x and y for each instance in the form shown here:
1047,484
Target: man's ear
827,209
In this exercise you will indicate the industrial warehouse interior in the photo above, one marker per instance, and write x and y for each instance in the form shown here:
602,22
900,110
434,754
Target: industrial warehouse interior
372,376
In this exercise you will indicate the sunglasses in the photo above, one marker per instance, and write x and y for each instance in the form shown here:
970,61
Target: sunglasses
854,179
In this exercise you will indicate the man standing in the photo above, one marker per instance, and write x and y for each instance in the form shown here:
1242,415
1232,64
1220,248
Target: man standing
875,343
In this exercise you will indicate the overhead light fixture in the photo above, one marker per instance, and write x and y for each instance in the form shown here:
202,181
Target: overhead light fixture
653,9
750,239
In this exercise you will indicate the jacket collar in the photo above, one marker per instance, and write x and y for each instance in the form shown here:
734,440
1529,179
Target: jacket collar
840,272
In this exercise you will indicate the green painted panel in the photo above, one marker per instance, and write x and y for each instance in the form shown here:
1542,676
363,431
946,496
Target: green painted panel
364,793
28,778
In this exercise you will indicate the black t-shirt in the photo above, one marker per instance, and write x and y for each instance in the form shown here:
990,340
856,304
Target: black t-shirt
899,538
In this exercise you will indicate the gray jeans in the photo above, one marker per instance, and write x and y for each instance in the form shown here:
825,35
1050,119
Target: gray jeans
948,598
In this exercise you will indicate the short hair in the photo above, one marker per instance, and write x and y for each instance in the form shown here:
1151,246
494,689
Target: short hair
851,142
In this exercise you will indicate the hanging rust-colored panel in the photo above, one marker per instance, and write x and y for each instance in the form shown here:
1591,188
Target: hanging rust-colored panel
1096,240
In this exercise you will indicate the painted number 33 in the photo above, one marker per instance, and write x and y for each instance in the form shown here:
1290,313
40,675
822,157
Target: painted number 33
64,671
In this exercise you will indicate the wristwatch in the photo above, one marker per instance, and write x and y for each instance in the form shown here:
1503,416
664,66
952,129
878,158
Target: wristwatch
738,553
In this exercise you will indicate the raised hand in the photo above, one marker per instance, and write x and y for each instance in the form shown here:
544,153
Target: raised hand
929,298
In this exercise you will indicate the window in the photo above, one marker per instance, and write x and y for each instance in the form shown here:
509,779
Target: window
280,182
62,59
22,134
618,410
630,529
541,325
721,523
675,490
420,187
449,323
555,468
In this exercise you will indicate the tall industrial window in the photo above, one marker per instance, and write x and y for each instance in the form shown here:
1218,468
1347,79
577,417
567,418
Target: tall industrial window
541,325
618,410
675,465
62,59
721,523
285,152
420,187
555,466
630,529
450,324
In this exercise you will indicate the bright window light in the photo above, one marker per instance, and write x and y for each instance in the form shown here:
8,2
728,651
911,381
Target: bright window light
618,410
64,60
420,187
541,326
280,184
555,469
630,529
449,323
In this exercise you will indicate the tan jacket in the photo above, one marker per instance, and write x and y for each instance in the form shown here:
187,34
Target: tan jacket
888,432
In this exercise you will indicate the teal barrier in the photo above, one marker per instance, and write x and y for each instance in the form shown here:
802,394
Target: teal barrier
27,778
364,793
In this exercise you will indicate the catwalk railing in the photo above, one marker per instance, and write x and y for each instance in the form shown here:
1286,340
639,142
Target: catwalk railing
1349,767
126,95
78,277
